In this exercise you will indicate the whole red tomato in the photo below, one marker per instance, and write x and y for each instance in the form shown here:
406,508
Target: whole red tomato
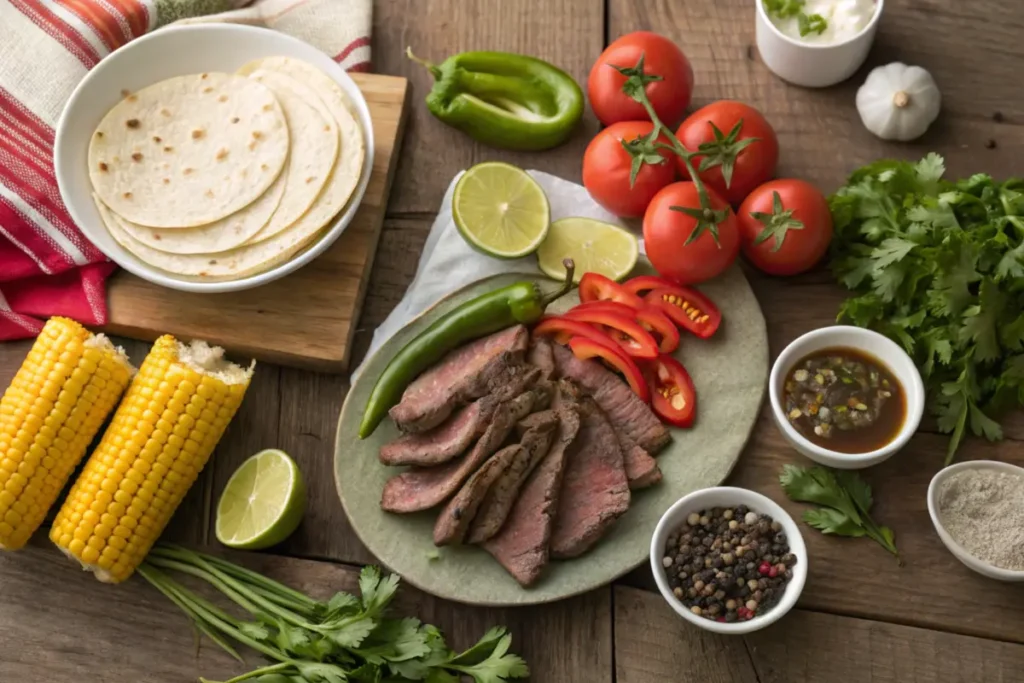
669,96
668,232
735,164
785,226
607,167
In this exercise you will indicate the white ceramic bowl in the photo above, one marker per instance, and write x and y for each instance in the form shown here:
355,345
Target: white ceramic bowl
728,496
812,65
866,341
177,51
972,562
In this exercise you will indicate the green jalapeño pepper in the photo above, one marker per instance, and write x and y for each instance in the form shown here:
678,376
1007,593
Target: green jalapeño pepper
519,303
505,100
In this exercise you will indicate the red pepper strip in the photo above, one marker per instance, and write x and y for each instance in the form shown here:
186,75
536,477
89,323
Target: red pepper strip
585,348
634,339
596,287
673,397
642,284
664,331
563,329
687,308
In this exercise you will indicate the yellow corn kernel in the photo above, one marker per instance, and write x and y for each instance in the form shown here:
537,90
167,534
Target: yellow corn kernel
51,411
158,441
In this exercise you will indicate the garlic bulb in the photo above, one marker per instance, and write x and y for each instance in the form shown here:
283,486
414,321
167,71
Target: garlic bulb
898,102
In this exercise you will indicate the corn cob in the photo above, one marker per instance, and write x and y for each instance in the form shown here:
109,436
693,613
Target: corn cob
55,405
164,431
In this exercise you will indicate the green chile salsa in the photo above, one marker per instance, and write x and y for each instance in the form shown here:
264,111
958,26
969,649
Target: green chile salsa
844,400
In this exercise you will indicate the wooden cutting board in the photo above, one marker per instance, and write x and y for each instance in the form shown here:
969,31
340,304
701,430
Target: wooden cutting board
306,319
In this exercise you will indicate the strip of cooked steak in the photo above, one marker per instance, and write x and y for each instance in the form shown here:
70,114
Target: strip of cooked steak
453,522
502,495
542,356
595,491
627,413
521,546
641,469
443,442
423,488
464,374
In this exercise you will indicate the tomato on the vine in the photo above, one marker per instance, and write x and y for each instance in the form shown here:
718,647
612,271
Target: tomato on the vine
686,242
739,149
785,226
669,95
609,167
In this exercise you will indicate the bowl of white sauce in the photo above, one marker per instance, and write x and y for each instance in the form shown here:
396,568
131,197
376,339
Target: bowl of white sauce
819,44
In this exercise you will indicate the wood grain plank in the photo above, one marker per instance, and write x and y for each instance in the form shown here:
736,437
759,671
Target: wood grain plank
568,33
78,629
804,646
306,319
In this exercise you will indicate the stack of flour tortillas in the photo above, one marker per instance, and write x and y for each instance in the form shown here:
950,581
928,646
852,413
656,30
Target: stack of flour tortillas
218,176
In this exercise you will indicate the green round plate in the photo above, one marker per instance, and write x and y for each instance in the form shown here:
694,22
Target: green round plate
729,371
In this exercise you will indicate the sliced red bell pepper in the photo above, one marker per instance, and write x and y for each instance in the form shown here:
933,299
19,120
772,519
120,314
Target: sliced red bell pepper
596,287
664,331
673,397
586,348
687,308
563,329
642,284
625,331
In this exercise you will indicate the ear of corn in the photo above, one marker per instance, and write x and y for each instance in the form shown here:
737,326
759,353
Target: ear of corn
162,435
49,414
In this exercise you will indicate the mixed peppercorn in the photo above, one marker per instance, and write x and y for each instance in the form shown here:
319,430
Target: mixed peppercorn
728,564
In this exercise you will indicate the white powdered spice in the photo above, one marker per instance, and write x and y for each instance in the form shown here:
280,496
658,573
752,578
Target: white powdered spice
983,510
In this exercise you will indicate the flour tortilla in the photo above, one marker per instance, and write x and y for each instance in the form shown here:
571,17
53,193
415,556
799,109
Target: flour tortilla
229,265
172,155
314,150
348,168
212,238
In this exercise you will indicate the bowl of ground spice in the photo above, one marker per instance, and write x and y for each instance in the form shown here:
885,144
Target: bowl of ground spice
728,560
977,508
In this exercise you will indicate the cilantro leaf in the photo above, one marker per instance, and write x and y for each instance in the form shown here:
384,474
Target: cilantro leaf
498,666
983,425
980,321
830,521
891,250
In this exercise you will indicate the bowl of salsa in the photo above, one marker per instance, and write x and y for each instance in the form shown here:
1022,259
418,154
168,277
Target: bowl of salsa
846,397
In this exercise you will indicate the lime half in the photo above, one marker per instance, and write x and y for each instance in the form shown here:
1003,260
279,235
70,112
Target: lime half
500,210
262,503
595,246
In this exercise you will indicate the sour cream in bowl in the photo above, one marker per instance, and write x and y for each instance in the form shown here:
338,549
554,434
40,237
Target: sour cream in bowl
821,44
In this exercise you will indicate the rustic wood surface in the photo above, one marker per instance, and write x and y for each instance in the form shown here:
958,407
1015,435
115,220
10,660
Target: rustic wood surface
861,618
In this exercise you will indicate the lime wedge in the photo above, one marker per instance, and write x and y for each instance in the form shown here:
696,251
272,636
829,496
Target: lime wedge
262,503
500,210
595,246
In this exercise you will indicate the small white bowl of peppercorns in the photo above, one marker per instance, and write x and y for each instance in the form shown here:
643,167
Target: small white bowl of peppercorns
729,560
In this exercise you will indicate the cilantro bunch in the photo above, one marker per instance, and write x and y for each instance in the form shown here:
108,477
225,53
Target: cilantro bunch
938,267
346,639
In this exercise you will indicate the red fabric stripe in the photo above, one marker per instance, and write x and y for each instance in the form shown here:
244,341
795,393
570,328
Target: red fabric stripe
363,41
135,15
29,122
31,241
16,263
63,294
361,67
58,30
24,140
90,13
16,326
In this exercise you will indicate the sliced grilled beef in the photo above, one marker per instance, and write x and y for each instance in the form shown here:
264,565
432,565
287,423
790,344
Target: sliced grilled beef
521,546
542,356
627,413
466,373
423,488
443,442
453,522
641,469
595,491
502,495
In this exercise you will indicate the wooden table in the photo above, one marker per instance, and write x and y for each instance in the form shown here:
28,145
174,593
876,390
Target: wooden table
861,618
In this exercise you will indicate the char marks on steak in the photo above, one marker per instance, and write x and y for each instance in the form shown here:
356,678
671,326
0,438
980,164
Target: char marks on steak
423,488
521,546
500,497
453,522
541,355
443,442
595,491
626,412
467,373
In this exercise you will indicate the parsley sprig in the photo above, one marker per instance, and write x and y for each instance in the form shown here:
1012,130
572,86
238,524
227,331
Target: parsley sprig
787,9
938,267
346,639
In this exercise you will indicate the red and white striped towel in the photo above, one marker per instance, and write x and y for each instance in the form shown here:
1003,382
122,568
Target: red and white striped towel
46,47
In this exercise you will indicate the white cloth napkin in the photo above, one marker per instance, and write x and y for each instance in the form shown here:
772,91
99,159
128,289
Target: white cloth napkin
448,263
